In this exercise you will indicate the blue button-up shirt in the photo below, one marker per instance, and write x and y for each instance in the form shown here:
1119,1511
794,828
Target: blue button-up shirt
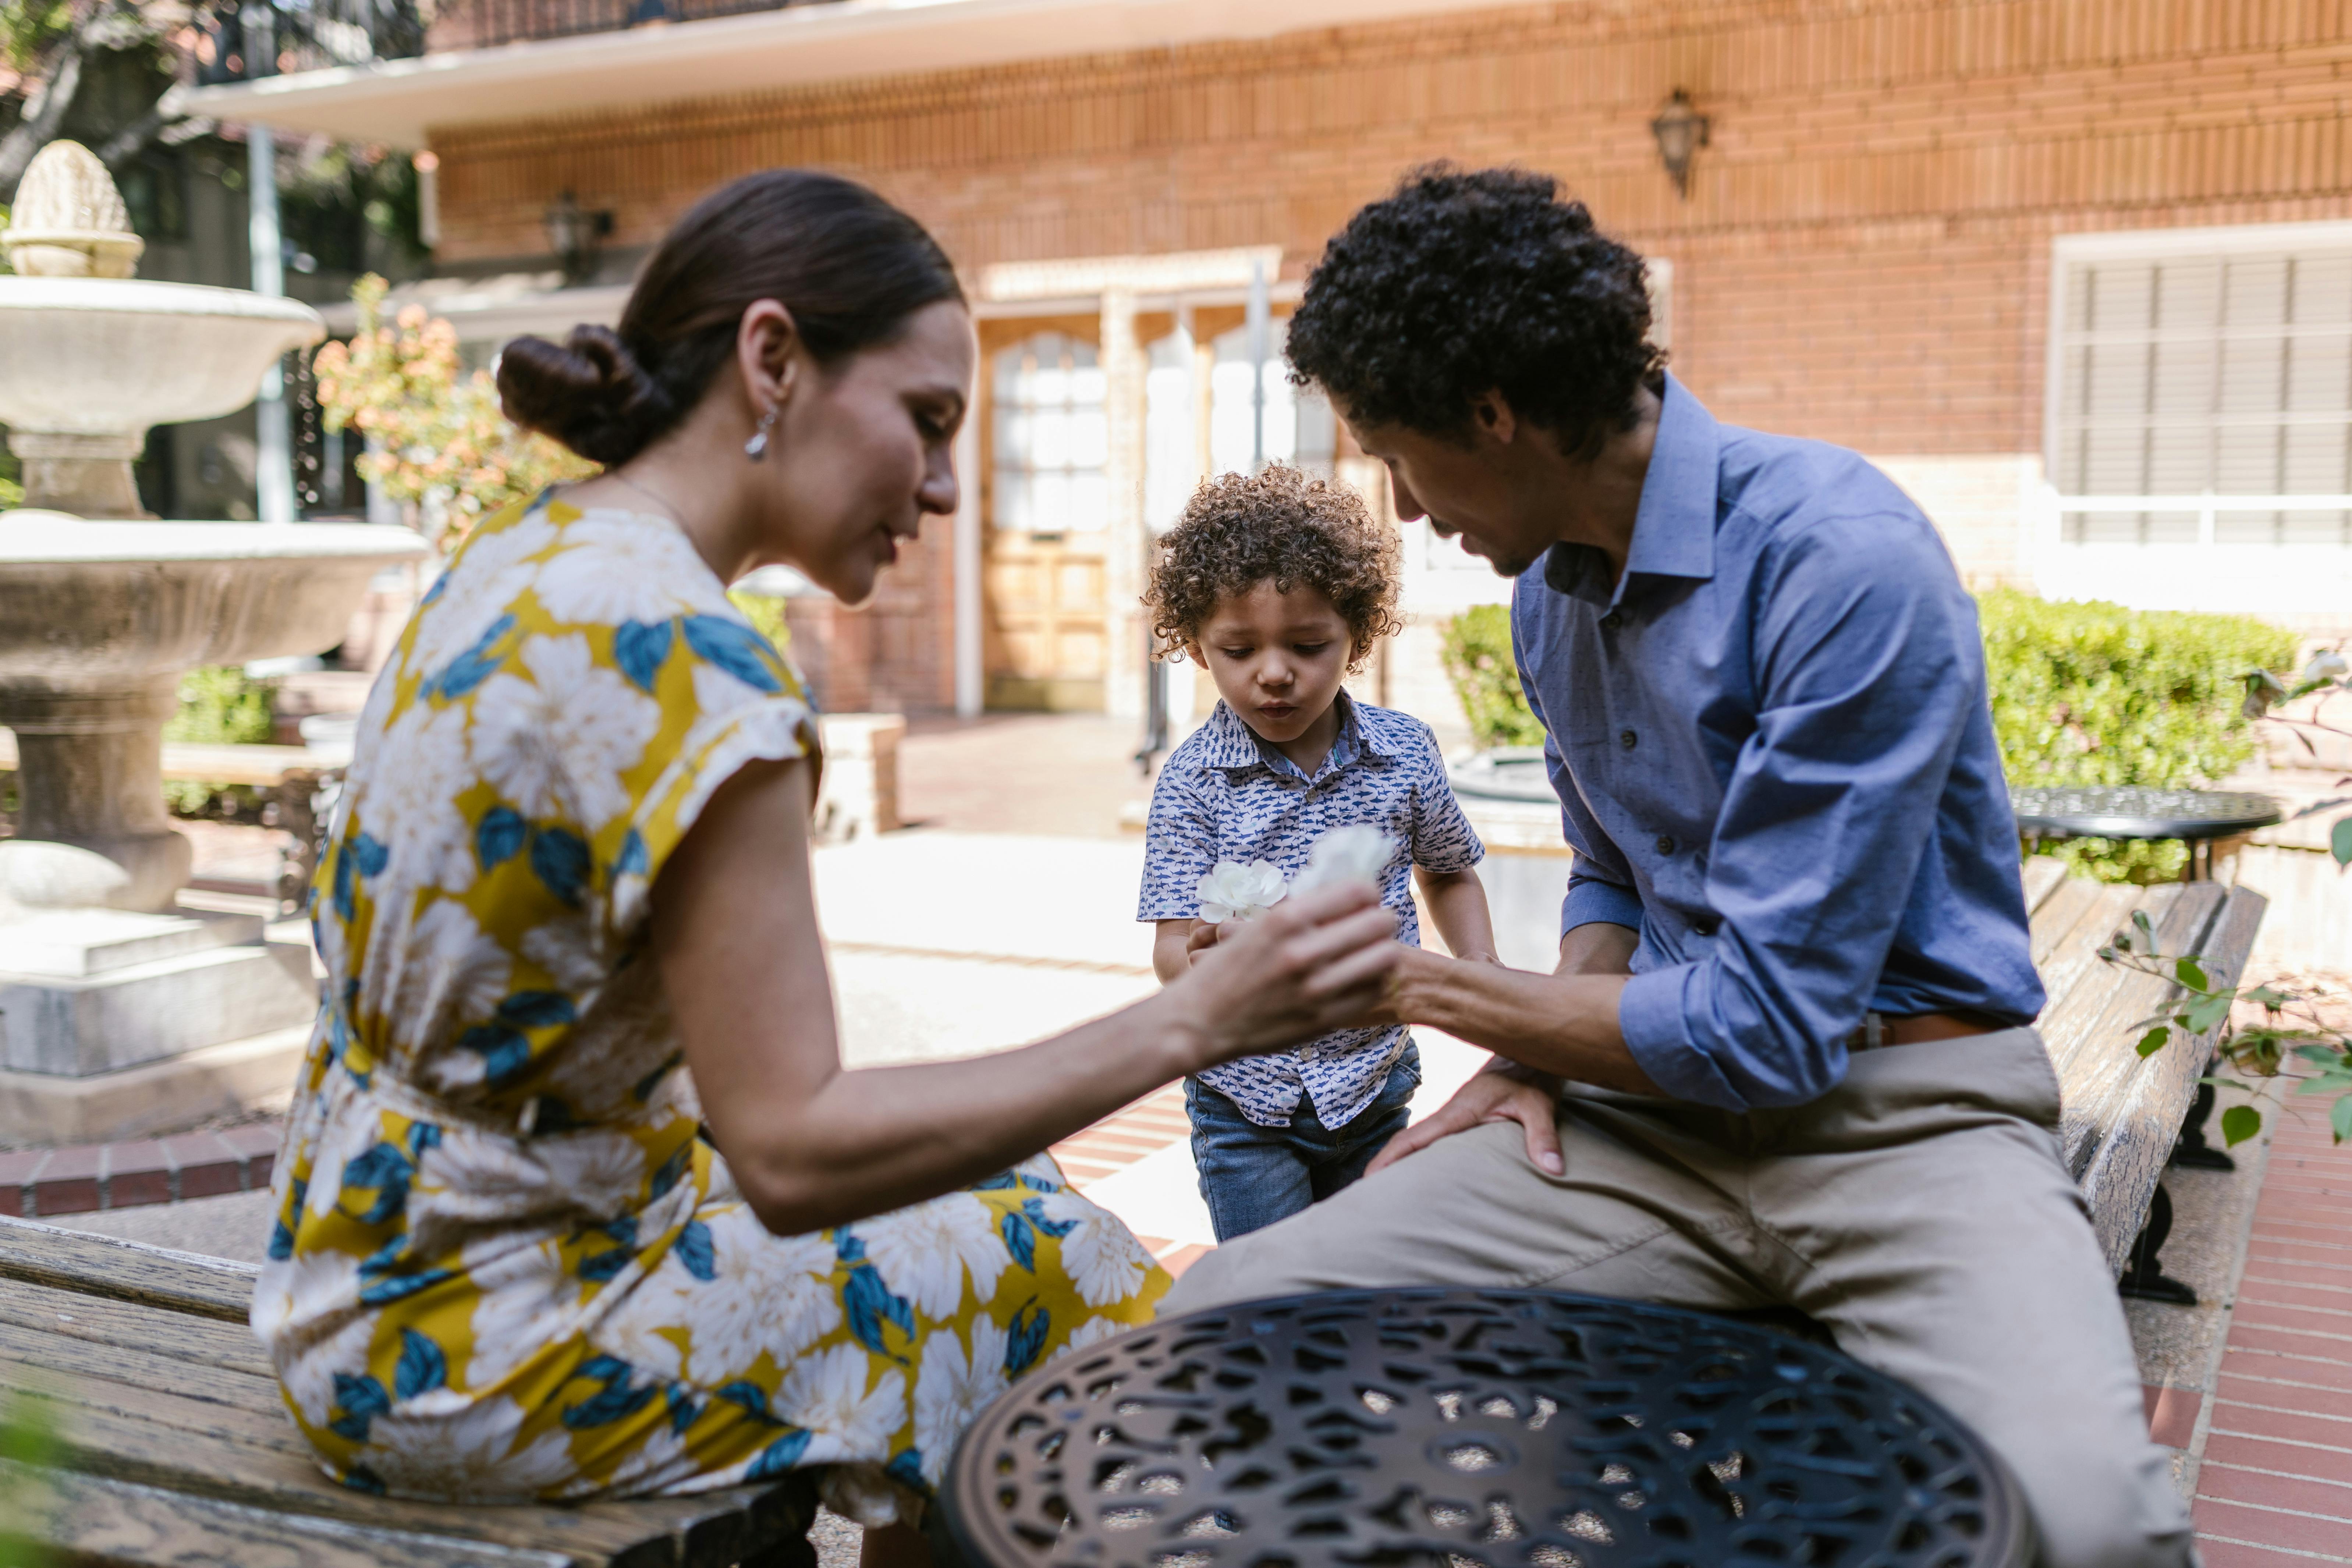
1226,795
1775,761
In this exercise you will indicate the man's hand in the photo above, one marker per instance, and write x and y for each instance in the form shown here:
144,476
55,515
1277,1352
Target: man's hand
1500,1093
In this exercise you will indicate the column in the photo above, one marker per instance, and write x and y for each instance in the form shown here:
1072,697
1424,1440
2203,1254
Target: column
971,677
1125,369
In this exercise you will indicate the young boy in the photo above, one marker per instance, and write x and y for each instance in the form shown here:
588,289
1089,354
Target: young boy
1278,586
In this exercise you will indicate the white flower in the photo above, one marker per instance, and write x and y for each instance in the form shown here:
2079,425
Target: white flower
453,975
529,1301
480,588
408,800
1094,1330
466,1456
826,1393
923,1251
1100,1255
600,1171
1356,853
565,949
570,730
951,1391
772,1293
717,693
1237,892
618,566
2326,664
642,1327
309,1370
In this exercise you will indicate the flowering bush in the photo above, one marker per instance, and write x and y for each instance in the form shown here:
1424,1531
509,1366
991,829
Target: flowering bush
438,441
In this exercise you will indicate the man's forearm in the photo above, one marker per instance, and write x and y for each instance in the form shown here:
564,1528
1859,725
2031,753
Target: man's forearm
1565,1024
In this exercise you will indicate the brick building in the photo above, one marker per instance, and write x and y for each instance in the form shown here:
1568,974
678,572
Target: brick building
2078,273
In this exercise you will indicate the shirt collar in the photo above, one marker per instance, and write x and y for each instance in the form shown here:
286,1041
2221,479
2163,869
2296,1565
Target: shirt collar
1673,531
1232,743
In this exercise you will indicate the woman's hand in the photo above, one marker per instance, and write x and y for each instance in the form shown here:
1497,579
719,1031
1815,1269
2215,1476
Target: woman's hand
1307,966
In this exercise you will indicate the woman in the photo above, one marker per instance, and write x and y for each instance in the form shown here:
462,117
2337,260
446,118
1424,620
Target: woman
571,888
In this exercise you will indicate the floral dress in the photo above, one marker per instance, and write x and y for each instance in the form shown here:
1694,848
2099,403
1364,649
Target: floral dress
507,1264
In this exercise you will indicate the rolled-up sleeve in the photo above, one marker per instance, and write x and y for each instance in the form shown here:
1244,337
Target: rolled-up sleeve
1866,679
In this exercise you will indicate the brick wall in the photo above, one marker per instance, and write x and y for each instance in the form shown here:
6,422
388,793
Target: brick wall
1862,258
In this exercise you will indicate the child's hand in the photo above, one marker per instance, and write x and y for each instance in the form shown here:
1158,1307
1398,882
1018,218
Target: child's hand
1204,937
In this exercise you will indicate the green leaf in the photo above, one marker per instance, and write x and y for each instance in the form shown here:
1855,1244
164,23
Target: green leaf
2146,928
2339,841
2153,1041
2206,1014
2187,971
2269,996
2340,1119
2326,1057
2239,1123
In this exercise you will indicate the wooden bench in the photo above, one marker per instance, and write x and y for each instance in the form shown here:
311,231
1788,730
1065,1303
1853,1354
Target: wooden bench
2124,1117
175,1447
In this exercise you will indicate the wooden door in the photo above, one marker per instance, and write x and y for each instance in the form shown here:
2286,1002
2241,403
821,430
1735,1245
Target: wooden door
1046,526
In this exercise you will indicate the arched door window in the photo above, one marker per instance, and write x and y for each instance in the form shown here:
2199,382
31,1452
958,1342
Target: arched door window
1300,427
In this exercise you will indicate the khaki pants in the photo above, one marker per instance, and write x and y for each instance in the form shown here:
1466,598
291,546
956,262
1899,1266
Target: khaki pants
1919,1211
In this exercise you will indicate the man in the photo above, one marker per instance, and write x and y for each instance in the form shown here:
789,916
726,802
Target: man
1784,1060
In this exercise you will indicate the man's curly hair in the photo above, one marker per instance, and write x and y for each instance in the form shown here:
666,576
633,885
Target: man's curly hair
1463,283
1283,526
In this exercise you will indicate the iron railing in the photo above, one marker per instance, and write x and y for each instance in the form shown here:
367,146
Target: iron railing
250,38
481,24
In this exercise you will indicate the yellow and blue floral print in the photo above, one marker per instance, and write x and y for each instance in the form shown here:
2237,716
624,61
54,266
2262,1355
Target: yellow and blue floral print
505,1263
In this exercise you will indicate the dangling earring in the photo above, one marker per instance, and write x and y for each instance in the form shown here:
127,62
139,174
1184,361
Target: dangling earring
757,447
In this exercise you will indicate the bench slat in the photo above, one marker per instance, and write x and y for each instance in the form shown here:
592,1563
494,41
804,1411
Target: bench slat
97,1521
2135,1106
27,1352
2043,875
205,1341
125,1270
142,1434
2105,1002
2073,957
2064,918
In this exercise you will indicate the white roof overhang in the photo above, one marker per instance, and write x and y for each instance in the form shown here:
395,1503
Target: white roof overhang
401,102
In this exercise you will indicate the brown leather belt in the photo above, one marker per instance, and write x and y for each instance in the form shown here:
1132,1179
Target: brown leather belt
1912,1029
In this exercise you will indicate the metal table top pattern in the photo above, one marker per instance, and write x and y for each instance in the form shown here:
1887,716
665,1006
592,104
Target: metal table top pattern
1495,1427
2131,811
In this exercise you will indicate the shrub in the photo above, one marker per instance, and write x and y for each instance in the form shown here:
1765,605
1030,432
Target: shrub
220,705
2097,694
1486,680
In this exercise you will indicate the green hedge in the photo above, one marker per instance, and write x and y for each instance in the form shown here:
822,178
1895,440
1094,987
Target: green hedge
2087,693
1479,659
2095,693
220,705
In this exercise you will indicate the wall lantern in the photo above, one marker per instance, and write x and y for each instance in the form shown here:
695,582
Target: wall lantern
574,234
1681,132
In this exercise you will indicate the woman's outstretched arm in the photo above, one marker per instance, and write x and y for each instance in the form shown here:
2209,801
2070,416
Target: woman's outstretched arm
812,1145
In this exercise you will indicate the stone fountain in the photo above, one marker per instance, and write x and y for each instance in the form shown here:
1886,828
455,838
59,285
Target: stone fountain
121,1012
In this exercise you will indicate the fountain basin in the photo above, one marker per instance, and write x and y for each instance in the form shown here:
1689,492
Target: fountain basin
96,620
116,356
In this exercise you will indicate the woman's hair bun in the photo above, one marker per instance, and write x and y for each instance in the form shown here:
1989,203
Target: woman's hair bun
588,392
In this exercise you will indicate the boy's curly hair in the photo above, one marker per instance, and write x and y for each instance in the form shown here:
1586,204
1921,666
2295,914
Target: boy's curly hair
1238,531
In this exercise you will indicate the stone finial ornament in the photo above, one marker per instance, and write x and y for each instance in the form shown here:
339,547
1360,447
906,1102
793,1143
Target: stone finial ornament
70,221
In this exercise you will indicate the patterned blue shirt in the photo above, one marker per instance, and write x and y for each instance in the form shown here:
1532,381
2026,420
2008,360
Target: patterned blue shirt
1225,795
1775,761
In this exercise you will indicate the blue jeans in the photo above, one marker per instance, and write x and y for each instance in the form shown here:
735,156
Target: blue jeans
1253,1176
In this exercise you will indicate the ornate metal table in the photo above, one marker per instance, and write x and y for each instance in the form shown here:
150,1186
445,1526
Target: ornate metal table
2198,816
1495,1427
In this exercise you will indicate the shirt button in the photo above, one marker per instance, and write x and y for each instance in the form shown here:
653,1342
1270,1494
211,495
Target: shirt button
1665,844
1611,621
1707,925
1627,739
